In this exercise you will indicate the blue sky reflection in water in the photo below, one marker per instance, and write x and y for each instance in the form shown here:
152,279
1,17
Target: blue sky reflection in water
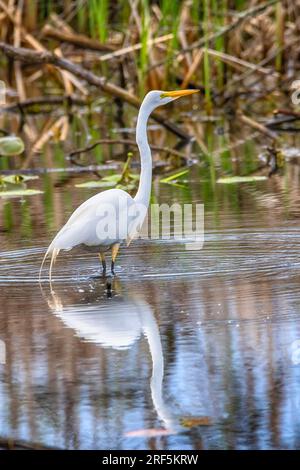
223,321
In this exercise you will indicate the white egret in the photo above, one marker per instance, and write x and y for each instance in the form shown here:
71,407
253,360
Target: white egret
110,217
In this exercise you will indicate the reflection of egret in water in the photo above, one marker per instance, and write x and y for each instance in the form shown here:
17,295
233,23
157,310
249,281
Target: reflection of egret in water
118,322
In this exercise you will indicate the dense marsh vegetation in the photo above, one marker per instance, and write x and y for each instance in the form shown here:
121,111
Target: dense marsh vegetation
77,58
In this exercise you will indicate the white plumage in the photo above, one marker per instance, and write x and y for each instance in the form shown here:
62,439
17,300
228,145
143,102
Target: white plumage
110,217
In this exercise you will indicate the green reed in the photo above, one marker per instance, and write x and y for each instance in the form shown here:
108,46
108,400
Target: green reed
81,17
206,62
98,17
143,56
219,9
170,24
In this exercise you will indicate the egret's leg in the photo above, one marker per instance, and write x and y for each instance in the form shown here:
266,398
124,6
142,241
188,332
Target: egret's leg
102,259
114,252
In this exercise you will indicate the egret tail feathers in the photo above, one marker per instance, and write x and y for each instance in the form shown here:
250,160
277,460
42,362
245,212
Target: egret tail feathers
43,262
54,255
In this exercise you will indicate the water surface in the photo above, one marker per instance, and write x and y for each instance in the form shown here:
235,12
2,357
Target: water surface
183,349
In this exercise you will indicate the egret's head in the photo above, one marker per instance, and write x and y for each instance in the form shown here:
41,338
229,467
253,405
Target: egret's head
157,98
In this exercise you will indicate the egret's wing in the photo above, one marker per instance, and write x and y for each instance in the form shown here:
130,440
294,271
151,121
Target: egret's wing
82,224
76,233
111,196
83,210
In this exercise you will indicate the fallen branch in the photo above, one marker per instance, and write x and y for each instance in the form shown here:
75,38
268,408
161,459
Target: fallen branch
156,148
116,166
256,125
79,40
67,78
43,101
45,57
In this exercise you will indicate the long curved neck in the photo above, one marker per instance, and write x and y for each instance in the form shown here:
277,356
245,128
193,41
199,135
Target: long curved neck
143,194
151,332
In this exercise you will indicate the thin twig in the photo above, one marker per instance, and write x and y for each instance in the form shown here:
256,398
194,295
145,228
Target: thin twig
157,148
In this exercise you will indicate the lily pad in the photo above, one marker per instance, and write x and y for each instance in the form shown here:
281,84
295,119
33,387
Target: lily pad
241,179
17,179
11,145
126,187
110,181
20,192
113,178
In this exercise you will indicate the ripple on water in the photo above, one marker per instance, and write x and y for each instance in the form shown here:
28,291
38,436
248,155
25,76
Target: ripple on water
226,254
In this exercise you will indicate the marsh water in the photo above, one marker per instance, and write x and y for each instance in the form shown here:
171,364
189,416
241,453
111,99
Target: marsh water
182,350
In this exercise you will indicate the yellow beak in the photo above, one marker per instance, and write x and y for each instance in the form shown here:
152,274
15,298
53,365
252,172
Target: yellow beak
178,93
